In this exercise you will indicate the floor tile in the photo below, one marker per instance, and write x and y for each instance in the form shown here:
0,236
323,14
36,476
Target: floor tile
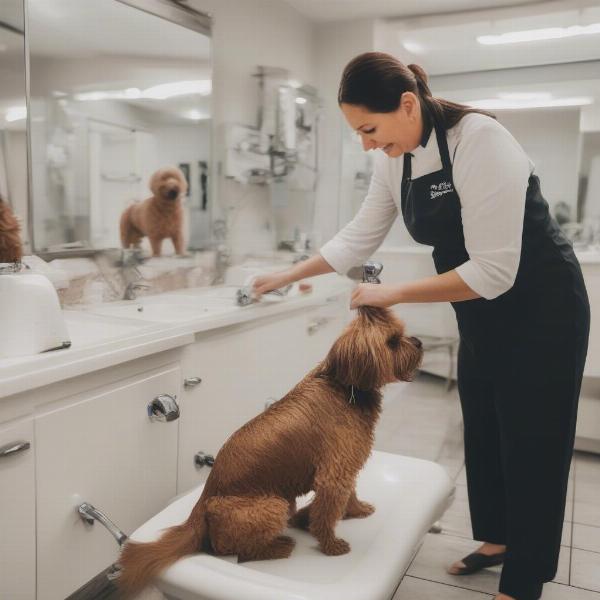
556,591
585,570
420,589
439,551
586,537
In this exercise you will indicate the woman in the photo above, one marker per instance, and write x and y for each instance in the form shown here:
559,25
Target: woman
465,187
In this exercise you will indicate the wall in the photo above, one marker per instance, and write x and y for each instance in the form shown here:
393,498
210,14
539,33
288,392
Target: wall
551,138
335,44
245,35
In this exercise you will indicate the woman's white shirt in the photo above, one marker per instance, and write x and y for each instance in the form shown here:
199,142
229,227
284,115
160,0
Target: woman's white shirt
490,172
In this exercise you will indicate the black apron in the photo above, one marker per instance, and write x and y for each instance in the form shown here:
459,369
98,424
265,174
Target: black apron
520,365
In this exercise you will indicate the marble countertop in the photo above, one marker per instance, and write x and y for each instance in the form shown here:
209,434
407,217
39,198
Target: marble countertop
99,340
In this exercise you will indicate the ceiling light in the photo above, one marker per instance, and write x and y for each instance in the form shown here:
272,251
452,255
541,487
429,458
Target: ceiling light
534,35
128,94
195,115
300,100
16,113
413,47
178,88
515,103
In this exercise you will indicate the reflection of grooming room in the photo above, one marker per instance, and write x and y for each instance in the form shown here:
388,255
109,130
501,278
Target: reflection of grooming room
299,300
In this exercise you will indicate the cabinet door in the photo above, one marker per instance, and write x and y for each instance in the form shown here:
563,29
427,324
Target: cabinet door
591,274
241,368
322,326
225,399
17,511
103,449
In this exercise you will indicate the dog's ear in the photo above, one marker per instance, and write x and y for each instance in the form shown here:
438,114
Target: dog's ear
351,362
359,357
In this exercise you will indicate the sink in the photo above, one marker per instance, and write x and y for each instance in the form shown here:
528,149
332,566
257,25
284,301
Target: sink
86,329
162,312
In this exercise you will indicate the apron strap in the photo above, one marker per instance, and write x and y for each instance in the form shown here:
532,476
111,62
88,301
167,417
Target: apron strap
442,141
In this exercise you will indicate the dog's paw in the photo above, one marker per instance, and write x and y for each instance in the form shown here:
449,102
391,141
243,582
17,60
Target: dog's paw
300,520
335,547
362,510
285,542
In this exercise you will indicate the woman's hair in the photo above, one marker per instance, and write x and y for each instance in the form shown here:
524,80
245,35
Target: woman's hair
376,81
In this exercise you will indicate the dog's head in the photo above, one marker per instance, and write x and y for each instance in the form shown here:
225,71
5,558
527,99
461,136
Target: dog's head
168,184
373,351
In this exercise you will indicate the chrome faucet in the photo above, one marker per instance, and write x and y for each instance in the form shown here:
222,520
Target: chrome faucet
132,287
367,273
90,513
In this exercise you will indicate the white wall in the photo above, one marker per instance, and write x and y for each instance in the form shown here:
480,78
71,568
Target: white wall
551,138
247,34
335,45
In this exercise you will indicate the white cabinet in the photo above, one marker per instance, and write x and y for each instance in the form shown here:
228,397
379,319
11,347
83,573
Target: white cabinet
240,368
100,447
17,511
244,367
322,326
591,274
588,417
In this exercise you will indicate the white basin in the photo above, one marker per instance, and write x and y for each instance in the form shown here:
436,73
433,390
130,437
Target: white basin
161,312
409,494
87,329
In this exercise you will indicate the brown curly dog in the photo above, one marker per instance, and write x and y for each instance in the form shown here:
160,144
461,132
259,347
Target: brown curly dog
158,217
11,249
317,437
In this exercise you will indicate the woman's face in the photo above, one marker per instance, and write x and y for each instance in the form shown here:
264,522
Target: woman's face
395,133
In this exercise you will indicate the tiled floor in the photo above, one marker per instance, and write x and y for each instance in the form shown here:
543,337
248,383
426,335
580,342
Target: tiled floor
421,419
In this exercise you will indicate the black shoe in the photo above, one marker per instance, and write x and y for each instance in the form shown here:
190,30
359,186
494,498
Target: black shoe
476,561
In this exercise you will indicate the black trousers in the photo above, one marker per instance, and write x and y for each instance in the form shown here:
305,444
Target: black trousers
519,397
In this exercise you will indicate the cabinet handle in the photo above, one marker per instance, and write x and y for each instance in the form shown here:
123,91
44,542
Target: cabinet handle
13,448
163,408
201,459
190,382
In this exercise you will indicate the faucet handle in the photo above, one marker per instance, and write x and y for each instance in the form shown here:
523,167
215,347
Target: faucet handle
371,270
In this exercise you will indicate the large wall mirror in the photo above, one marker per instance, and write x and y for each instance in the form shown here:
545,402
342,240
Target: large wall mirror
13,112
118,91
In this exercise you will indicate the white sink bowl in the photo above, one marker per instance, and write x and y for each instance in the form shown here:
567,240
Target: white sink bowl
161,312
87,329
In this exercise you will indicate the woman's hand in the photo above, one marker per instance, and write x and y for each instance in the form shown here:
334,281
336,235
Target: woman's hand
270,281
374,294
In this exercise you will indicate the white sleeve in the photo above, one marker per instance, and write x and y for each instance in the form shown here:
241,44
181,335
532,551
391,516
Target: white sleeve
359,239
491,174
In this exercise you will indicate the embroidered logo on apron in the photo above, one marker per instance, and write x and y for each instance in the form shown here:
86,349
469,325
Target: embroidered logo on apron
439,189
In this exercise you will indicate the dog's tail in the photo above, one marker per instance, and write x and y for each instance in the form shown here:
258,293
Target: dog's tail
140,563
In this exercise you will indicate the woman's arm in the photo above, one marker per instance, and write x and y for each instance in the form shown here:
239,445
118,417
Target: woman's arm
448,287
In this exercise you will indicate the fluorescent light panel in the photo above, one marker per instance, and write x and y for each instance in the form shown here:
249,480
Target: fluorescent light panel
164,91
534,35
514,102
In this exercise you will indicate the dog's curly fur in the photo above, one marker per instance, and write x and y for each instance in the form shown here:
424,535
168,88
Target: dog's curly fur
158,217
11,249
317,437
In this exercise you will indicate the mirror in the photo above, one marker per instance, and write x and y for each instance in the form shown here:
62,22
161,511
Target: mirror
537,68
118,97
13,112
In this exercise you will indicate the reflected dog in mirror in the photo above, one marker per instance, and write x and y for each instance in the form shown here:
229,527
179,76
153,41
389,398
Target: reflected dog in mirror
158,217
316,438
11,249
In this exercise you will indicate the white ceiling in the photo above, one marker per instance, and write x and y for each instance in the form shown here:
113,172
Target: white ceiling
67,28
337,10
449,44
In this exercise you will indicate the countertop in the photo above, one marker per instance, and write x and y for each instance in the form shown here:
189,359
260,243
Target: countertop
100,341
